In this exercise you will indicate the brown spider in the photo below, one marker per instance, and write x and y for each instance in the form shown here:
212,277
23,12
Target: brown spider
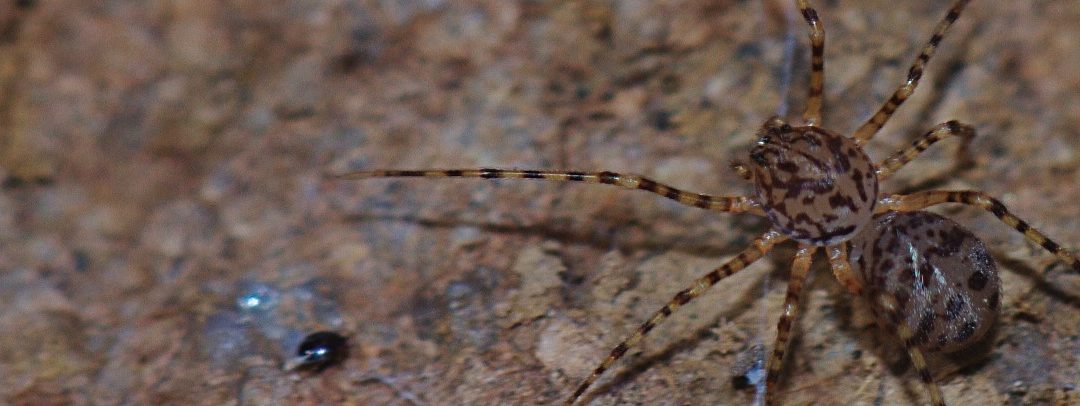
926,278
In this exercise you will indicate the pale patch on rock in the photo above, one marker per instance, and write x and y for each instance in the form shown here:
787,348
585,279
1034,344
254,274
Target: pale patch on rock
539,275
564,346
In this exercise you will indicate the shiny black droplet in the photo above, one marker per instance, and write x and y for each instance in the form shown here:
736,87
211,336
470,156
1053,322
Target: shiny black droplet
321,350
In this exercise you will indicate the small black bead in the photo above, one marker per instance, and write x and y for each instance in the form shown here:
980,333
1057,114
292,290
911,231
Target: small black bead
321,350
740,382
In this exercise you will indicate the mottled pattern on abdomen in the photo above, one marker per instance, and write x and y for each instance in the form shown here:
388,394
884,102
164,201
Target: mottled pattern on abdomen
942,277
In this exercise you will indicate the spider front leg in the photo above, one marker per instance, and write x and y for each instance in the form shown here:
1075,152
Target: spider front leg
730,204
871,127
921,200
800,268
812,116
942,131
758,249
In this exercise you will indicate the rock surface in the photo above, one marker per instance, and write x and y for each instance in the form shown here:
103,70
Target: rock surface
166,236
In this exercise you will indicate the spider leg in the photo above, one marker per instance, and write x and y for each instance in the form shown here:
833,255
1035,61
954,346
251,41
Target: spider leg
938,133
743,171
838,260
730,204
812,116
896,319
841,267
758,249
800,268
871,127
920,200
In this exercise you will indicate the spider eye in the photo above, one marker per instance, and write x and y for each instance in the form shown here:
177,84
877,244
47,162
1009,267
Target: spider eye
758,156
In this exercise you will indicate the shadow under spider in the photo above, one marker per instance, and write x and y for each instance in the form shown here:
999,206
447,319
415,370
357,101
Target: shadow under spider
953,63
962,362
1049,288
939,85
597,239
608,240
751,298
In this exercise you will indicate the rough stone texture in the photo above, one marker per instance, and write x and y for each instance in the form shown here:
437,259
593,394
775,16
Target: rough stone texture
166,236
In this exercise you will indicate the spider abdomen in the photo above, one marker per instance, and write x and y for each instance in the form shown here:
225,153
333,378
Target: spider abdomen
942,277
816,186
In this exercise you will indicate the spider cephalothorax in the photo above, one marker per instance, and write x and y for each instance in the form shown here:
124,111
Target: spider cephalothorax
816,186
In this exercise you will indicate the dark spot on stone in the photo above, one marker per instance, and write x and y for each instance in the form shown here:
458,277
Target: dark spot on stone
740,382
661,120
748,50
82,261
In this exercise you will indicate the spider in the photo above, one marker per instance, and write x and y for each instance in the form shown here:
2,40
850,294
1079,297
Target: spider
926,278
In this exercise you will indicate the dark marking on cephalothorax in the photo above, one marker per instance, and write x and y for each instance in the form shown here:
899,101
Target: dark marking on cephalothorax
839,200
857,176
